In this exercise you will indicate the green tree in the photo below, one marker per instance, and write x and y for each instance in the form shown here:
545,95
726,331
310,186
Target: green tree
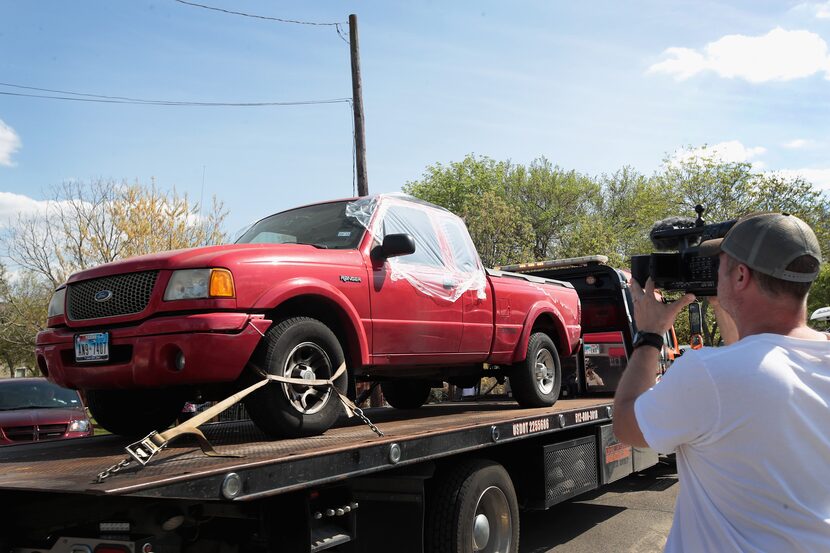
514,213
631,204
695,177
457,185
555,201
23,301
476,190
501,237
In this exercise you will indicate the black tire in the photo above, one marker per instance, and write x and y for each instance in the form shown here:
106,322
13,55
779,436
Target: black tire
134,413
295,347
536,381
406,394
468,498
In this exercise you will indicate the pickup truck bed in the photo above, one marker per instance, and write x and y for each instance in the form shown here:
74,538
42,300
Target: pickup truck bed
269,467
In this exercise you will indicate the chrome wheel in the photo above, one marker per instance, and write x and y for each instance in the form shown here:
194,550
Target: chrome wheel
492,524
544,371
307,361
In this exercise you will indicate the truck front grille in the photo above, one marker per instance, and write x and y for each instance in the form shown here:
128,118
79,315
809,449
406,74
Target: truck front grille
34,433
128,293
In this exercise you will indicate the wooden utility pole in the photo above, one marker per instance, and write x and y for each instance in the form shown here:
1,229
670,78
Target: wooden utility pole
357,104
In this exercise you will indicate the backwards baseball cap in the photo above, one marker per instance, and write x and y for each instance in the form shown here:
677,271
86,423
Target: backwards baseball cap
768,243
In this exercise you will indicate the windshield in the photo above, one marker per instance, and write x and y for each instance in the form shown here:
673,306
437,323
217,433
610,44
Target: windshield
322,225
30,394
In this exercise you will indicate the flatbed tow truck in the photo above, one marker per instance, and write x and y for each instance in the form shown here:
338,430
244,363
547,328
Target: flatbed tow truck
446,477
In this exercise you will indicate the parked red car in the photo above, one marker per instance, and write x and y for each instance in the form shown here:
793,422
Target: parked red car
34,409
390,285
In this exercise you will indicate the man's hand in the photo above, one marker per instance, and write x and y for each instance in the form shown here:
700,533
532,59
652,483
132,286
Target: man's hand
651,314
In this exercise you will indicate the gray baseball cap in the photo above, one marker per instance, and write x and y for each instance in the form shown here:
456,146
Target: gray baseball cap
768,242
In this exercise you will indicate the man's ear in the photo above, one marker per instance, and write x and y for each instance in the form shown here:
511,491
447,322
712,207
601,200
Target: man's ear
742,276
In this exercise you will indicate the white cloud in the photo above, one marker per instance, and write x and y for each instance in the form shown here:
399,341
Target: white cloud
797,144
779,55
9,144
732,151
821,9
12,205
819,177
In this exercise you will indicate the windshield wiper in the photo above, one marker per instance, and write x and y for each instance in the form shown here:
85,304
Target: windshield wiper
316,245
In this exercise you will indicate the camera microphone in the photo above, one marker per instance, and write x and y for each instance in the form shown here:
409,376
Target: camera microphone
669,233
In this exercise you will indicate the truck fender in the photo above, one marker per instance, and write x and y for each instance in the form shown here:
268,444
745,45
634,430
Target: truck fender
538,310
304,286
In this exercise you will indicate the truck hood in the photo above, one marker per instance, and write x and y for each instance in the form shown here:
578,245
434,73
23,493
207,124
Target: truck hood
216,256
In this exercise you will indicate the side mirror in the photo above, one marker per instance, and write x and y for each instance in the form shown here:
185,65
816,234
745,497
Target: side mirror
393,246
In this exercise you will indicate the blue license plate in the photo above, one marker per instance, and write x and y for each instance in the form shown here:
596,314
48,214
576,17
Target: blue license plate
92,346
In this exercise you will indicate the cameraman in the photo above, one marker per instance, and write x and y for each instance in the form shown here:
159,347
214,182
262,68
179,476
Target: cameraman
749,422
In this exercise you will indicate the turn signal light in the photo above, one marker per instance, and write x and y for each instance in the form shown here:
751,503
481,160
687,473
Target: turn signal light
221,284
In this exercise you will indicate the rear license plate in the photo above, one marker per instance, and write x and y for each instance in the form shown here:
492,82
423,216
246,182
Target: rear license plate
92,346
591,349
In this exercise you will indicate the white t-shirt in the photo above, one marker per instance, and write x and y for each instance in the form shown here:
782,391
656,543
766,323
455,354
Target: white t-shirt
750,424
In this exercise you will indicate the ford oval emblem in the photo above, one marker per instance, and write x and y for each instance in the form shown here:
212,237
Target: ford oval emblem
103,295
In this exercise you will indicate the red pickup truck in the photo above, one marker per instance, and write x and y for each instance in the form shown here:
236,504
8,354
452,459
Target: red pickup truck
388,284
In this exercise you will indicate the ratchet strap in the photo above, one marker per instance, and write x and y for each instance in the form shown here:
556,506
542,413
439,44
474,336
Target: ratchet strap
148,447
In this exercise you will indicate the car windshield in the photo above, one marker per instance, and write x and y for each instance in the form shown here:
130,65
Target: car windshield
321,225
28,394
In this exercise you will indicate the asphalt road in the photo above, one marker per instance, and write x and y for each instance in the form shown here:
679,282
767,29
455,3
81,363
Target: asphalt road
631,515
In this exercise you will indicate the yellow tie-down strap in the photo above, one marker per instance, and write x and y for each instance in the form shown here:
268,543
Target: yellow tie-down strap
145,449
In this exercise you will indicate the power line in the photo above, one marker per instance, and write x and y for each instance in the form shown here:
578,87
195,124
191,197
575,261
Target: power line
340,33
194,4
105,99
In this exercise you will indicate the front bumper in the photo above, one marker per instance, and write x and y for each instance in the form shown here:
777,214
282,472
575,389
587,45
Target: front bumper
216,347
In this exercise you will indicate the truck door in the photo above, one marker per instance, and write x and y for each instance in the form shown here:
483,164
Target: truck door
409,314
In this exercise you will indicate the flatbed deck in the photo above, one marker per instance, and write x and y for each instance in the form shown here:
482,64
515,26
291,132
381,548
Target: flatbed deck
269,467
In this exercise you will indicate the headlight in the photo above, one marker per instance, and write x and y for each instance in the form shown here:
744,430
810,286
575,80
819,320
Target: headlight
79,426
199,284
56,304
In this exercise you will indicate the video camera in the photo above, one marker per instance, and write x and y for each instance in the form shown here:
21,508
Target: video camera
682,269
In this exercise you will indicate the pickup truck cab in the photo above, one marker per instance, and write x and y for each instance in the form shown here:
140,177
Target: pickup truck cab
389,285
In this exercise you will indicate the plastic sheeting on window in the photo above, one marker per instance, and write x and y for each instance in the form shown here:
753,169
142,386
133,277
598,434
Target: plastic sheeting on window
445,264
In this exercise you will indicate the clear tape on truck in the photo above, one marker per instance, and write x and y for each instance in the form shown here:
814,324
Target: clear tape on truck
445,264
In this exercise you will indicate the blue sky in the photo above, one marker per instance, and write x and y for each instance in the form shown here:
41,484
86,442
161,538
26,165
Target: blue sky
592,86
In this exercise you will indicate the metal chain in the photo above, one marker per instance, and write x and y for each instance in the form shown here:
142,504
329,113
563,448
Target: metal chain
124,463
359,412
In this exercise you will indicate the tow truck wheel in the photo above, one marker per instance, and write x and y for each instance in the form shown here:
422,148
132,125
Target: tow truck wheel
134,413
536,380
303,348
473,509
406,394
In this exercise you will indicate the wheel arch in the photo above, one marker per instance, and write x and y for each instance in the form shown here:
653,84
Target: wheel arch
328,313
547,319
328,305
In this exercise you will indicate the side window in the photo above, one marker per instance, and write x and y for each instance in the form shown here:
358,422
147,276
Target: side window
415,222
461,247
